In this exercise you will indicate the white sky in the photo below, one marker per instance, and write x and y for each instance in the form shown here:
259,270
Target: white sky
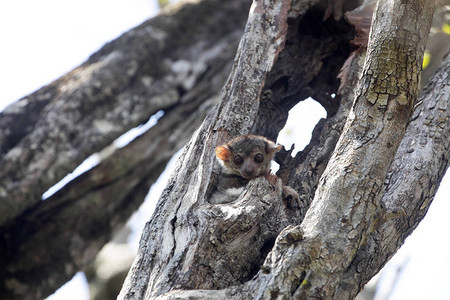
42,40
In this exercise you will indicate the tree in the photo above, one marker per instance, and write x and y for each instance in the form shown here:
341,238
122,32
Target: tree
359,196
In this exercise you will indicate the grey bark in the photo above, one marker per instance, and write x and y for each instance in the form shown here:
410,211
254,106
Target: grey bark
412,180
310,260
148,69
180,213
156,66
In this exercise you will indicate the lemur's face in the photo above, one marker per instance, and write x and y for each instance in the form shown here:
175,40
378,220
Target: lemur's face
247,156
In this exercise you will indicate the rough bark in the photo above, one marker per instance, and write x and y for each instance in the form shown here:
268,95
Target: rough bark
148,69
176,208
412,182
156,66
307,260
183,213
39,268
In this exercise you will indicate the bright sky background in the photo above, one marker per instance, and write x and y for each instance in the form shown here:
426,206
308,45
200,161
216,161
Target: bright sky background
42,40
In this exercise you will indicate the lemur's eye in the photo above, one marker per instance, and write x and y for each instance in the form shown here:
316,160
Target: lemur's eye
259,158
238,160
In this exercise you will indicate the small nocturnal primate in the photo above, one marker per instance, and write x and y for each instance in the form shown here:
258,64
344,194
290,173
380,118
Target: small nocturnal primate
242,158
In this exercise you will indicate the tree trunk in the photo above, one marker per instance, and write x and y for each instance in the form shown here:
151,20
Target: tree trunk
194,249
156,66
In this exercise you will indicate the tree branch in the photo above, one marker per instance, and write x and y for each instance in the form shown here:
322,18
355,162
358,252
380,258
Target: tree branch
118,88
182,212
308,260
181,76
421,162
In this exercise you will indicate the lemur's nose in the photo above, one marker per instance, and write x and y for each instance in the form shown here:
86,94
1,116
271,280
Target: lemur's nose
249,171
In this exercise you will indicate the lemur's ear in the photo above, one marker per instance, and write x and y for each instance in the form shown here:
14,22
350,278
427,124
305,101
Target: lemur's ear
273,147
223,153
